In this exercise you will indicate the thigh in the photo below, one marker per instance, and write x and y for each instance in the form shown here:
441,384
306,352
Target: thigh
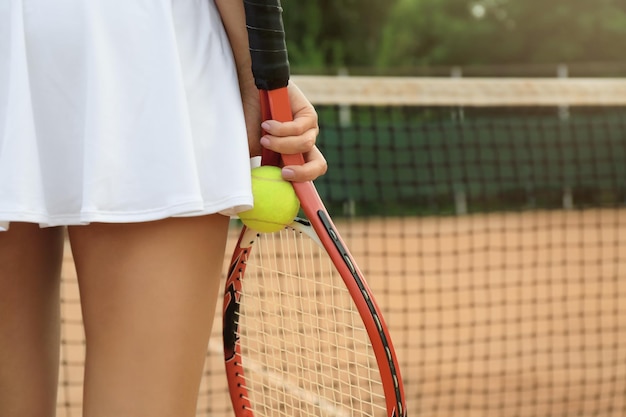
30,268
148,294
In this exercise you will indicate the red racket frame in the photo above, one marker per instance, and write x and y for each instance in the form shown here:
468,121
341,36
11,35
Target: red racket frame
275,105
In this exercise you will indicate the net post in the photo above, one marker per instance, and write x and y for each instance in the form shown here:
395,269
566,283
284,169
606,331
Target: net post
458,112
460,200
345,111
568,198
349,208
562,72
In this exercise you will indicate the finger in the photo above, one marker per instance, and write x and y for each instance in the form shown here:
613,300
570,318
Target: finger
299,101
291,144
300,124
314,167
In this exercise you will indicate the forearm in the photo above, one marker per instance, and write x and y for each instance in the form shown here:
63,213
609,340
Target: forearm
234,20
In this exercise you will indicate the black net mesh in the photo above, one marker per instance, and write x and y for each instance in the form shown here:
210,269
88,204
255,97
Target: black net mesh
495,241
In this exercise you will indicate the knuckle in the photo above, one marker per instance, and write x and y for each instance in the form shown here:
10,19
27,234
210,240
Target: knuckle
307,144
323,167
300,130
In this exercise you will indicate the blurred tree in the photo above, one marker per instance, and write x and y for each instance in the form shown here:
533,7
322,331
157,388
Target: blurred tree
334,33
465,32
325,34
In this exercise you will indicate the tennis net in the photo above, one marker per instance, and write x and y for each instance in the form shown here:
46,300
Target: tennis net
489,217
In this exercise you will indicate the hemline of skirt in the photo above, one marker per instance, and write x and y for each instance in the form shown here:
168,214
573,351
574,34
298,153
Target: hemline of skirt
229,207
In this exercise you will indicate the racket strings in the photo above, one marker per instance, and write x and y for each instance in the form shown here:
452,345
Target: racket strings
305,350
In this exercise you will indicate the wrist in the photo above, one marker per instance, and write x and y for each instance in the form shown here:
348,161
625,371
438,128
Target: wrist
244,72
247,87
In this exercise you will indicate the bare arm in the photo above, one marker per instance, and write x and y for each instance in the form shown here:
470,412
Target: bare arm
234,20
293,137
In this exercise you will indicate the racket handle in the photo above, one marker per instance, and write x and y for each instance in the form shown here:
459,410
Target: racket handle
280,110
268,49
275,105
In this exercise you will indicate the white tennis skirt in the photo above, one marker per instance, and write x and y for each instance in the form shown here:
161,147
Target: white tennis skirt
118,111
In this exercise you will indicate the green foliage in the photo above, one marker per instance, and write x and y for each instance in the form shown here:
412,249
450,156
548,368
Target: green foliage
402,33
334,33
462,32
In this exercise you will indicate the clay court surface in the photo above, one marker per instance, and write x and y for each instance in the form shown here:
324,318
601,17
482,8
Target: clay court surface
499,315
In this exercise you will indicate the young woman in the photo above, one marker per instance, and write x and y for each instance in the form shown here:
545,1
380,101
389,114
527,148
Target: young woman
128,124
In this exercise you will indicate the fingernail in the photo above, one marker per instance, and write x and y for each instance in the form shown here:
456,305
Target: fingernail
288,174
265,126
265,141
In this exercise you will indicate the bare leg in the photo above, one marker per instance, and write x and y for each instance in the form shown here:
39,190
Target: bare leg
30,270
148,292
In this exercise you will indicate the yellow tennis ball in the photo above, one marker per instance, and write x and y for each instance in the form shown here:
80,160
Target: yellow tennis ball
275,201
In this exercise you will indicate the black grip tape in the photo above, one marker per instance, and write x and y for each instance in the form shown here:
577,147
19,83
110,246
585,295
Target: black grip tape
266,34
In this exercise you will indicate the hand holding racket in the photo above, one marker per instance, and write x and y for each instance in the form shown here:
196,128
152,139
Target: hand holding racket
305,126
303,335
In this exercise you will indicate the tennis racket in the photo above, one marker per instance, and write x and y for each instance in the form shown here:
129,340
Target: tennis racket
303,335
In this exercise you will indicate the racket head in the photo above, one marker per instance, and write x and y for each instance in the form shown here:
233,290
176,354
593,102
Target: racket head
380,392
297,341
